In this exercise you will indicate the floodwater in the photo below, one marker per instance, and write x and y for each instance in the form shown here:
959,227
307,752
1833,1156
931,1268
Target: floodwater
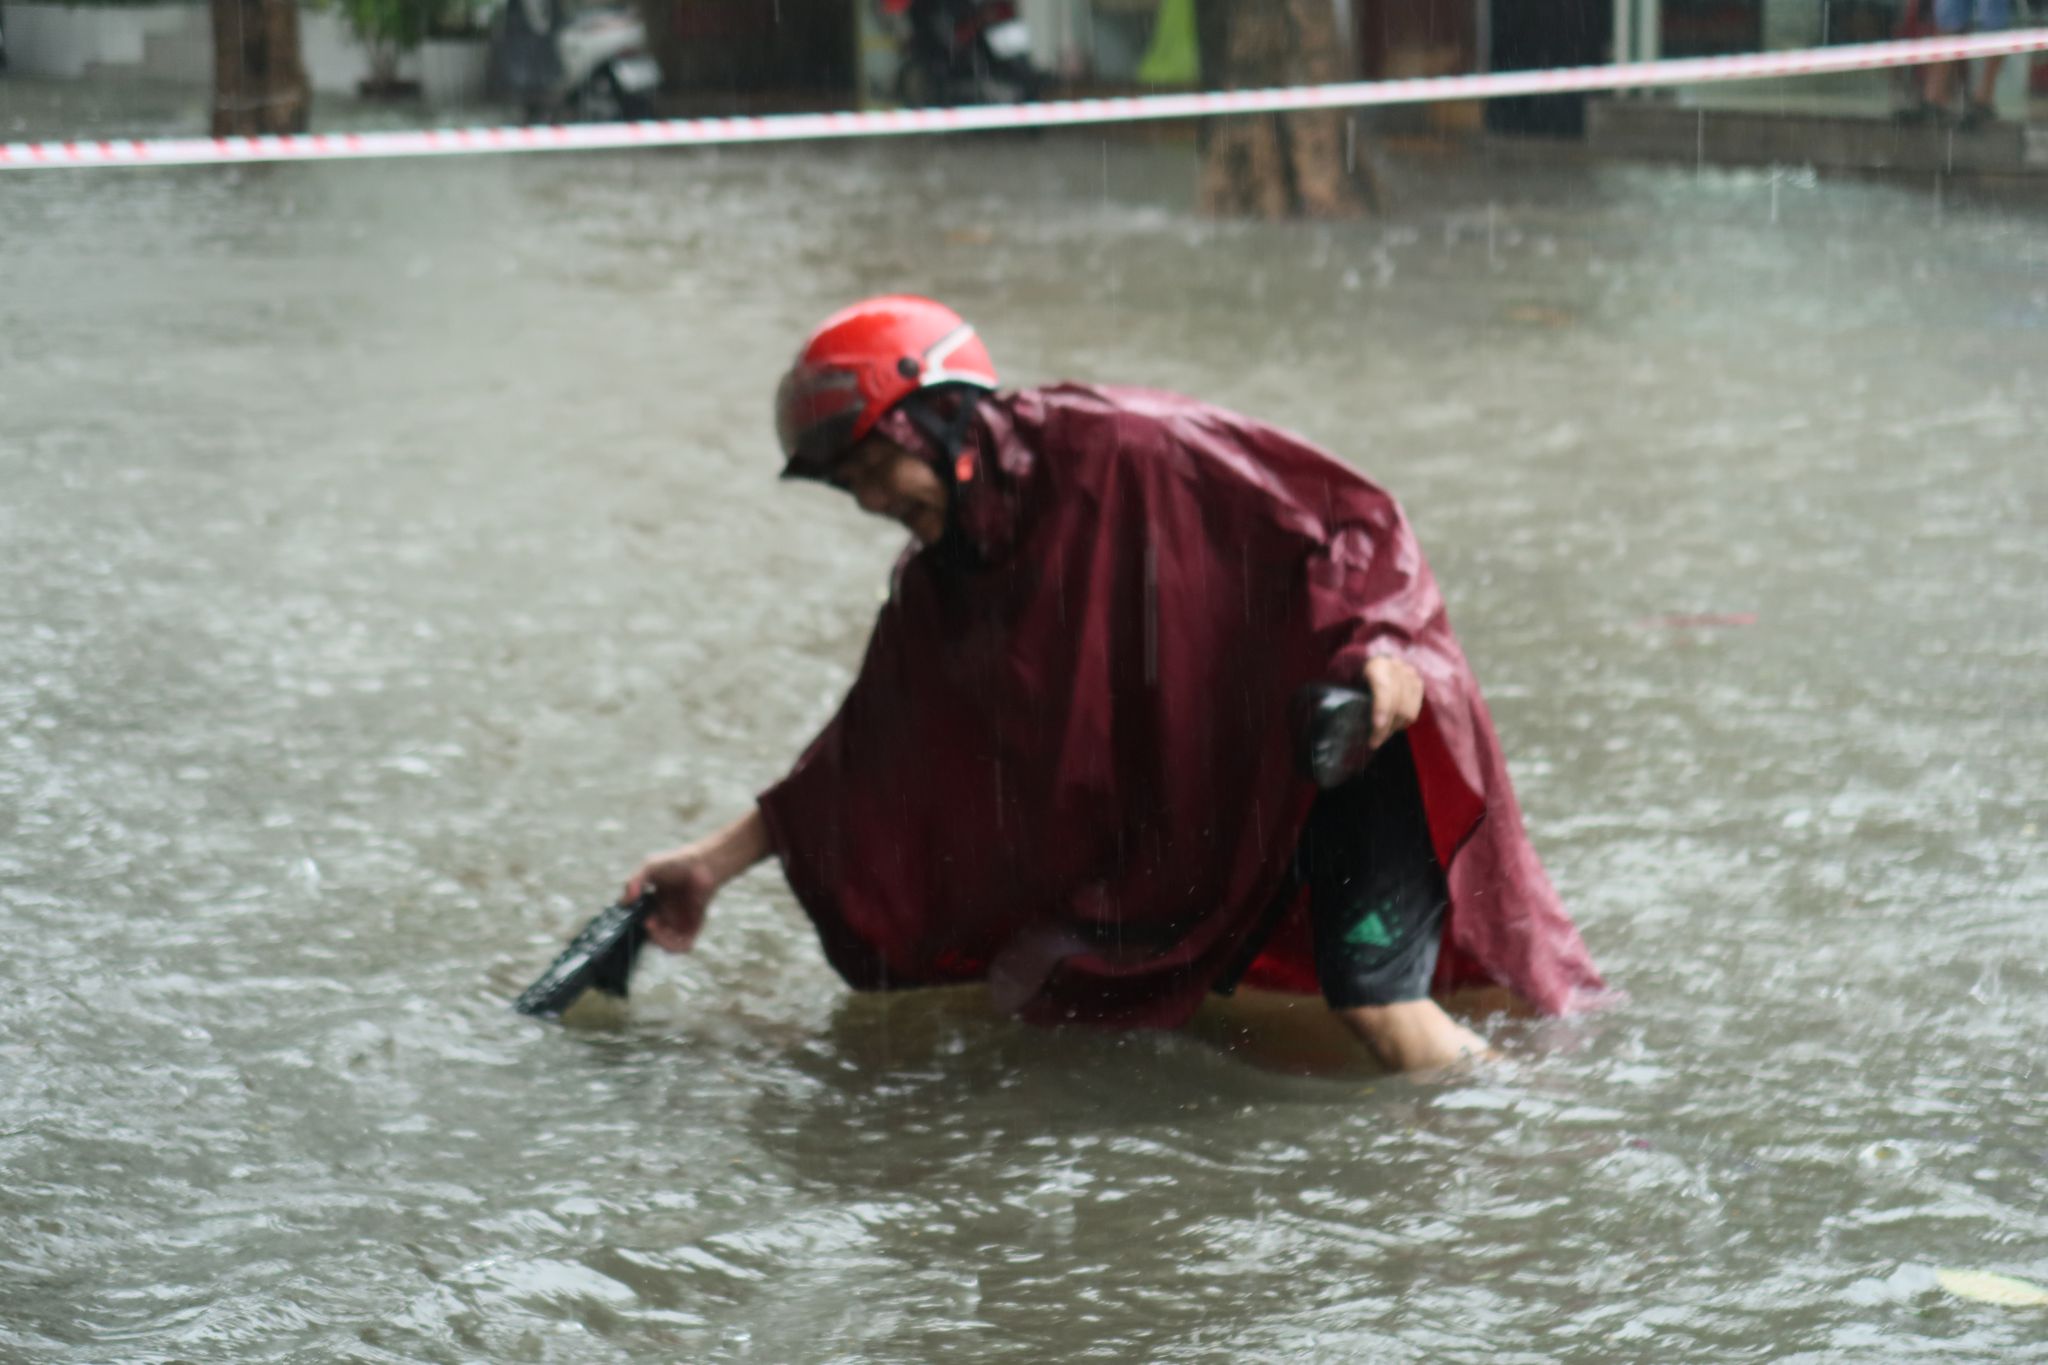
389,557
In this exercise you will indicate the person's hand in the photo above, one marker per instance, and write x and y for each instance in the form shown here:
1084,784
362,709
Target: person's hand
683,884
1396,696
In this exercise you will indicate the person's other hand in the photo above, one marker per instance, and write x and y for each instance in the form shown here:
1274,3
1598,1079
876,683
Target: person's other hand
1396,696
683,885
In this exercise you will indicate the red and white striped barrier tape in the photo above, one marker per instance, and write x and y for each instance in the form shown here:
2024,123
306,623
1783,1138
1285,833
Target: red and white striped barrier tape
715,132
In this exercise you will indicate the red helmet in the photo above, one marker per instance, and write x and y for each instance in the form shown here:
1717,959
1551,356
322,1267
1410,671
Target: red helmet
863,361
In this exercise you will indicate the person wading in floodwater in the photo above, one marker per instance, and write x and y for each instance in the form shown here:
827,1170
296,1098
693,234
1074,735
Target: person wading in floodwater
1070,765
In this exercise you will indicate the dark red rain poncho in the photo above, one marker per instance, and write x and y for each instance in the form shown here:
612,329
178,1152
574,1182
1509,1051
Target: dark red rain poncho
1065,767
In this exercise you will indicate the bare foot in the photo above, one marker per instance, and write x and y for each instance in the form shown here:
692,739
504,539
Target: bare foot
1415,1035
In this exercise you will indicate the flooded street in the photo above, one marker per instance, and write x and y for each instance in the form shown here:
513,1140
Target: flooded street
390,555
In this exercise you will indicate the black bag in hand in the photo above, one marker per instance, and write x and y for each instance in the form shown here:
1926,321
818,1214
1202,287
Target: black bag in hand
600,957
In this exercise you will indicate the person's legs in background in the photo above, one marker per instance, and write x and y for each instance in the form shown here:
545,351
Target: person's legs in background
1954,17
1938,81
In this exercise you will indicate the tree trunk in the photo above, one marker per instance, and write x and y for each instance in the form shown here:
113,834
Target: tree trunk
259,82
1279,165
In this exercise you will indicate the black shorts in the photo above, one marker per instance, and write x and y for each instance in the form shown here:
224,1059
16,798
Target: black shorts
1377,896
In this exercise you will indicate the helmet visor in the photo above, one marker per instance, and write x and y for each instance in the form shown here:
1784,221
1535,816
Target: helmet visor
816,410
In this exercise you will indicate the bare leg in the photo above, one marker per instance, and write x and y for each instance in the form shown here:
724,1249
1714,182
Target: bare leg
1940,79
1415,1035
1987,79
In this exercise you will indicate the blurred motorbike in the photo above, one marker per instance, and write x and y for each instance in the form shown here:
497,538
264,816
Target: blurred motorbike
963,52
560,59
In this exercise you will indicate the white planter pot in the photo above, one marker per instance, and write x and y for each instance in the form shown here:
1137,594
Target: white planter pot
452,70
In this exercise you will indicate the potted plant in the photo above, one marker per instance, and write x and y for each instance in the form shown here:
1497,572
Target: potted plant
455,57
389,29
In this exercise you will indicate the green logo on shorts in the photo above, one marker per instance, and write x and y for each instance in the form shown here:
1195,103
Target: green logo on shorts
1370,932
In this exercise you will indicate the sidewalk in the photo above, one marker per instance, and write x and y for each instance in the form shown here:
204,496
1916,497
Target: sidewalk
1842,122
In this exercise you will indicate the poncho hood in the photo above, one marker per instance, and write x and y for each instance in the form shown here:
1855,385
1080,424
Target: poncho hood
1064,767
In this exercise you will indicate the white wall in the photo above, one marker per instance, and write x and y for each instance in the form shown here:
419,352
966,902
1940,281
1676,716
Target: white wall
175,43
59,40
1791,24
1061,35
